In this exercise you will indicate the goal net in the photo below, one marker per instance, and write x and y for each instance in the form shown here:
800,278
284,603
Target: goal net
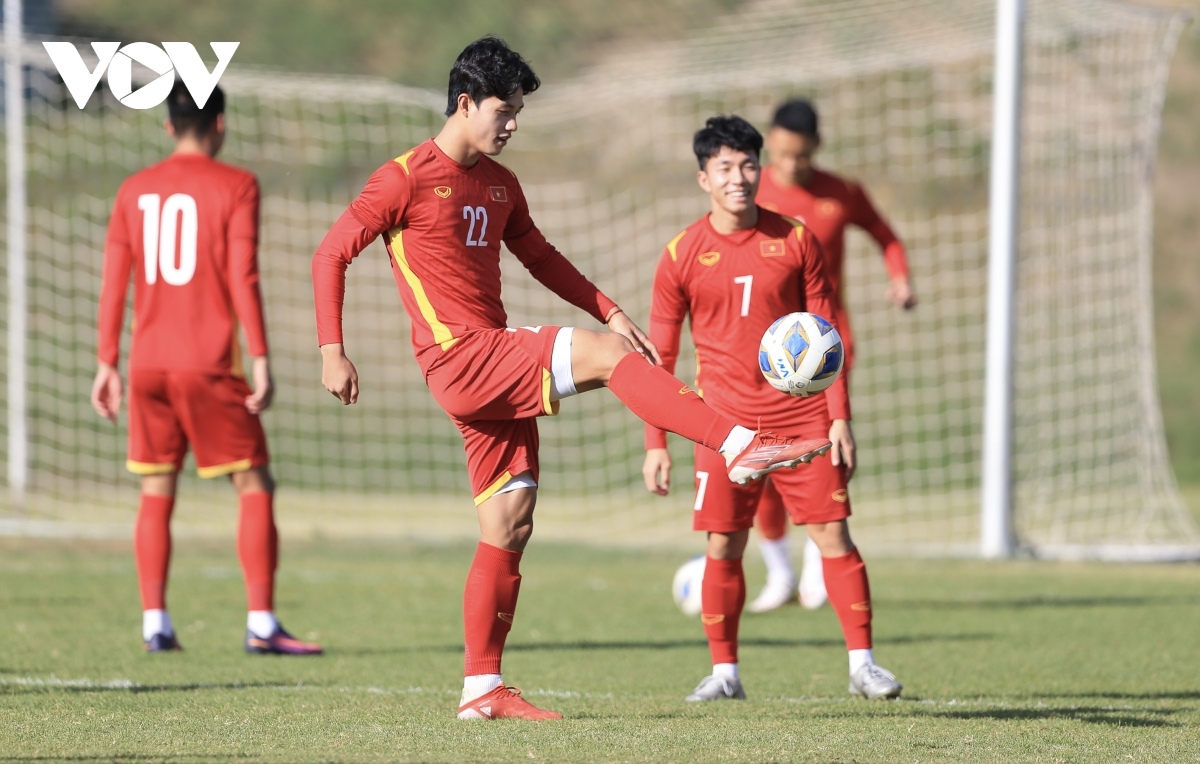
904,90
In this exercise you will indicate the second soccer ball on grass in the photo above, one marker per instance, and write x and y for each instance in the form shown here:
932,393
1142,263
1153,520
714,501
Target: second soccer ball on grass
801,354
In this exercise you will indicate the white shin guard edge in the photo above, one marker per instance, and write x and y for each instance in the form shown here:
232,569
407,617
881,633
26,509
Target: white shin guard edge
562,378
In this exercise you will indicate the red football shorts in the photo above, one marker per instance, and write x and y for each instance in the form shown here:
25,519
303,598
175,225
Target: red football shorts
494,383
169,410
811,493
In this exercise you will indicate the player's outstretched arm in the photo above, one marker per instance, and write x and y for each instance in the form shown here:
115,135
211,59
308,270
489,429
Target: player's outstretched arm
338,374
264,386
900,291
107,391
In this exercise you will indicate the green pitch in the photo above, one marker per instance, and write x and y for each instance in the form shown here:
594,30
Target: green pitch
1001,662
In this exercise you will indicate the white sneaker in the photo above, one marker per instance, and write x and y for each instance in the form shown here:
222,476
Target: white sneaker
812,578
717,688
774,595
874,683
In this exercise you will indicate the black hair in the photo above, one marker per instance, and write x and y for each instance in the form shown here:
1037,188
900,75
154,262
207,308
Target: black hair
797,116
731,132
187,117
486,68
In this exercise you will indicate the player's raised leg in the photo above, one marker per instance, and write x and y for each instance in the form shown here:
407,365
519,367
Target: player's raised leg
772,521
850,596
490,603
625,362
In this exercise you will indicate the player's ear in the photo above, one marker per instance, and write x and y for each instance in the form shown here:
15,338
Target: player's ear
464,104
219,125
702,179
169,127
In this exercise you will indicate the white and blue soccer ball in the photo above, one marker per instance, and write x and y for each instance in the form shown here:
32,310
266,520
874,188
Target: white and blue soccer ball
686,586
801,354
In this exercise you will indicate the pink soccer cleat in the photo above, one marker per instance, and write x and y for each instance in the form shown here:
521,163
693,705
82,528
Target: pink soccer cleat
768,452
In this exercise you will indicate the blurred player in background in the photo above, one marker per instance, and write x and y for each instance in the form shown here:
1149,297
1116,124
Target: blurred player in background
443,209
792,185
734,272
187,230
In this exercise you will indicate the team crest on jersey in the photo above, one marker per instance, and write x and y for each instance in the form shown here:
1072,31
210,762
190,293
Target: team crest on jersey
709,258
442,191
829,207
771,248
499,193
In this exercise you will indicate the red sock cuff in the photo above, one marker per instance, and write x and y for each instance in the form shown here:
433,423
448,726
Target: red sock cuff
842,562
504,561
157,504
258,548
725,567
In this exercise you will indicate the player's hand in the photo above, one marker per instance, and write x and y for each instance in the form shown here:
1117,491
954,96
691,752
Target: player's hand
656,471
107,390
901,294
264,387
622,325
339,375
843,451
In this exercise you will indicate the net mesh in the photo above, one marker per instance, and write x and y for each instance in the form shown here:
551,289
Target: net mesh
904,88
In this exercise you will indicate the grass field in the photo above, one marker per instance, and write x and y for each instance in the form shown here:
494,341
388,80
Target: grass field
1012,662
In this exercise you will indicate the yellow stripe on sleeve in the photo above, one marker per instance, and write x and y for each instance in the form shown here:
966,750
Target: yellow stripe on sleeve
402,160
441,333
674,243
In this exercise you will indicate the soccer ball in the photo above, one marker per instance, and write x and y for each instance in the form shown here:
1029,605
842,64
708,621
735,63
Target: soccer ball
801,354
686,586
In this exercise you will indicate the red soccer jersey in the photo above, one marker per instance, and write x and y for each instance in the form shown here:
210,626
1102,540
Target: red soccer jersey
734,287
187,230
826,205
443,223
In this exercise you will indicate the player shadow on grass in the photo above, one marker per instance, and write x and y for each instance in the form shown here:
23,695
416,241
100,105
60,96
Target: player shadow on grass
669,644
1023,603
136,689
1091,714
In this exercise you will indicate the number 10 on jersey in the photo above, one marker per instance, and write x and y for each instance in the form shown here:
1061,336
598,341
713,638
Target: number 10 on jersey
162,224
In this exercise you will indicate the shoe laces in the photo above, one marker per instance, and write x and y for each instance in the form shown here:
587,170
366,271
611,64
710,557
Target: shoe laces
875,673
771,439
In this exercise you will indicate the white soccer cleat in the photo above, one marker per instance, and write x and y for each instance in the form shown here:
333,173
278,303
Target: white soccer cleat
775,594
812,578
874,683
717,688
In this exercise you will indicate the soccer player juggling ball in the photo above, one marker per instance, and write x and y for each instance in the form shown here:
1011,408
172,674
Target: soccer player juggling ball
735,271
186,229
793,185
443,209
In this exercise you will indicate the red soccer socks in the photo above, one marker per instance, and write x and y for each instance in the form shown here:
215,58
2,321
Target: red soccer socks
152,549
722,595
663,401
850,596
258,548
489,602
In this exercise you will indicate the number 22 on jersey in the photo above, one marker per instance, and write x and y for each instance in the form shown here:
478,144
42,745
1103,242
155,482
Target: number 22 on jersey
163,223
